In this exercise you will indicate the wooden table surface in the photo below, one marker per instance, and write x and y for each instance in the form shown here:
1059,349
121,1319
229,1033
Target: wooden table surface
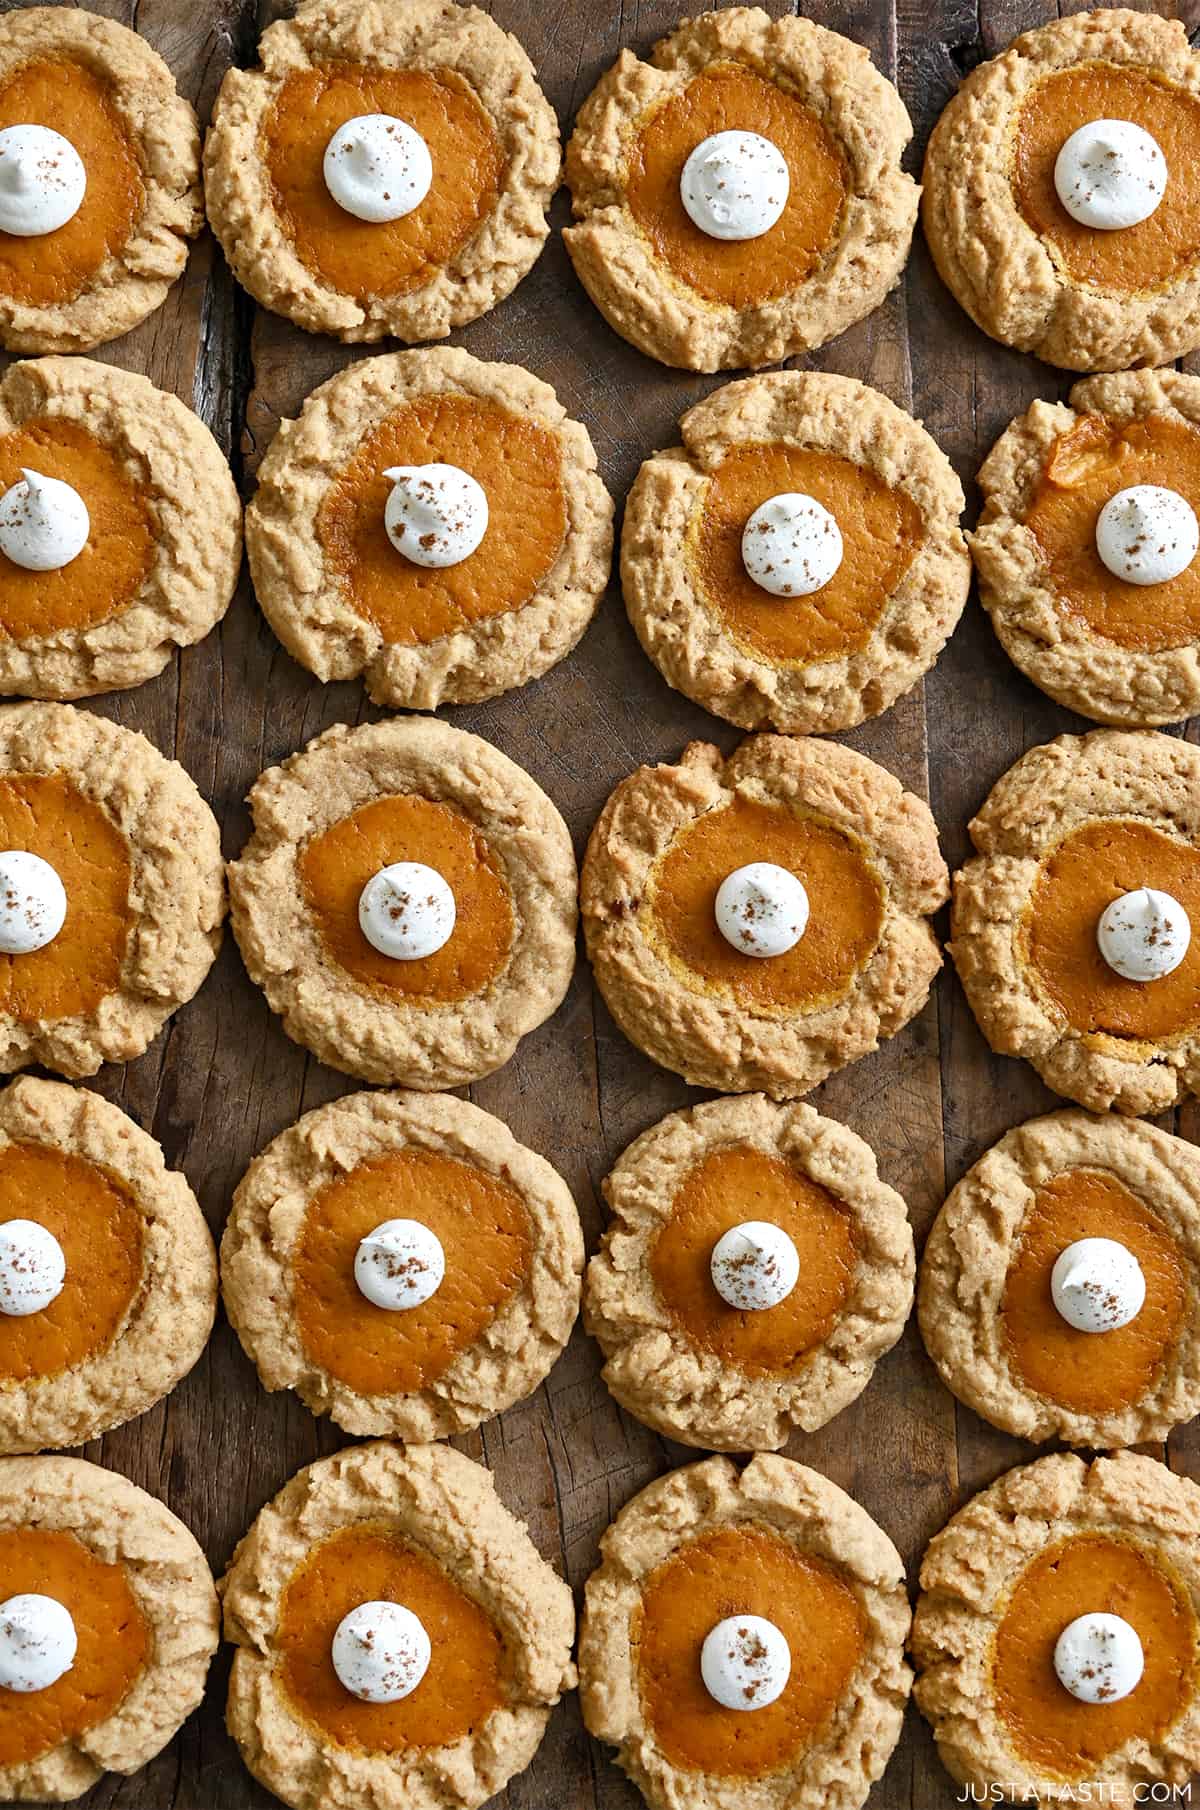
222,1079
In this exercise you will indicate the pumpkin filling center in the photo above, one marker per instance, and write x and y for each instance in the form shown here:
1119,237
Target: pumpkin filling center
1091,1573
114,1641
846,897
1077,880
466,1678
743,1570
365,259
518,463
1134,259
729,97
1090,1373
336,865
731,1186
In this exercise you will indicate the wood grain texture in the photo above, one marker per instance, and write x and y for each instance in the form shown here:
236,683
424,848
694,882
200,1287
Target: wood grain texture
222,1079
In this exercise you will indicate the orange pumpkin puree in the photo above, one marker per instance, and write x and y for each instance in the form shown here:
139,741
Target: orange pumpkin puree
483,1225
1136,258
728,1187
846,897
336,865
364,258
59,266
743,1570
113,1641
1090,1373
1087,466
881,532
97,1222
730,97
1082,875
1086,1574
110,571
48,816
519,465
465,1682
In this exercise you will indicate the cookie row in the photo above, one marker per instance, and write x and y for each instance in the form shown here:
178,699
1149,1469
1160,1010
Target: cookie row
408,904
435,1688
796,563
410,1269
738,198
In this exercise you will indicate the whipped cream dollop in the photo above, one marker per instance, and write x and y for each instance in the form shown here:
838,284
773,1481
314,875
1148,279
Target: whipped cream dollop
1144,935
754,1265
381,1652
762,909
42,181
33,1268
44,523
400,1264
1147,534
1099,1658
1097,1285
33,902
436,515
37,1642
735,185
378,168
407,911
745,1662
1110,174
791,545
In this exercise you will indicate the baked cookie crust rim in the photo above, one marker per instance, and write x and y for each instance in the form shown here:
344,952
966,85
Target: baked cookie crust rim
718,1042
168,453
302,597
170,1317
128,288
424,34
654,1369
170,1580
344,1024
974,1239
967,1575
993,262
638,293
680,628
1044,796
515,1352
176,882
446,1505
838,1768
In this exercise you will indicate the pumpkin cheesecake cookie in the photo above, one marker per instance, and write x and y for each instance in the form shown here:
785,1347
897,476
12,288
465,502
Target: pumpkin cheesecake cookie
99,179
758,922
407,902
1062,195
111,889
433,523
797,563
108,1279
399,1639
754,1270
743,1640
1071,928
385,171
403,1263
108,1621
1060,1285
739,197
120,528
1056,1635
1086,549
